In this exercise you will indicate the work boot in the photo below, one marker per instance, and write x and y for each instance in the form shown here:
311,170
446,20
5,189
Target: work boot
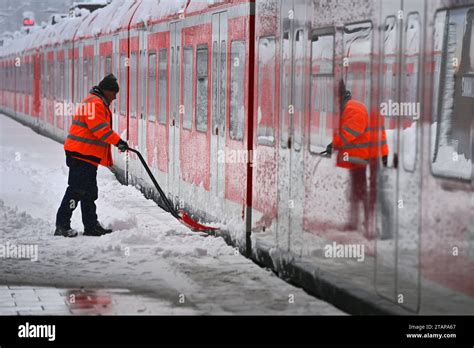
96,231
65,232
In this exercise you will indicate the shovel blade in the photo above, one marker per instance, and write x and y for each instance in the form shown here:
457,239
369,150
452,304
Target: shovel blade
194,225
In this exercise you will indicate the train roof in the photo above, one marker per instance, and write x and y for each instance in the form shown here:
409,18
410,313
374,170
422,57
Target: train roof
113,18
153,11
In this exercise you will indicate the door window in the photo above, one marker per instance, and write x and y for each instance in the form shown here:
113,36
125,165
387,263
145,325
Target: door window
152,87
322,90
286,108
202,88
410,92
123,84
299,94
188,87
357,50
266,91
163,85
237,89
133,84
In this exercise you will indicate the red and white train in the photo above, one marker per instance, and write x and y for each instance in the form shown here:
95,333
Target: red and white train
232,102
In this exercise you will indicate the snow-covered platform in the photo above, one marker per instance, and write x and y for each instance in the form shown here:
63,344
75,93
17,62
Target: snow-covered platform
149,252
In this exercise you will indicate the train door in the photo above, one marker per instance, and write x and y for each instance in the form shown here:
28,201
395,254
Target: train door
174,119
219,107
142,112
294,34
399,182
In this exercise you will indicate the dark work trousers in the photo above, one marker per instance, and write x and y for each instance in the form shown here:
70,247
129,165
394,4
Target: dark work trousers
82,188
359,195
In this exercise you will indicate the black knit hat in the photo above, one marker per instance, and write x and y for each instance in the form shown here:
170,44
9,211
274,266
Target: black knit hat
109,83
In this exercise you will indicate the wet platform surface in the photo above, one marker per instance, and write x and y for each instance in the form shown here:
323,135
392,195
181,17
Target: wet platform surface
27,300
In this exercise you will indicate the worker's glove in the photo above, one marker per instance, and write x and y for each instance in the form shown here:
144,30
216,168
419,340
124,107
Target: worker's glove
122,145
329,150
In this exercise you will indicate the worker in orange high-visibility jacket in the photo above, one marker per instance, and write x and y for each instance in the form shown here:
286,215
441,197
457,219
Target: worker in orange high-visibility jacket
352,142
88,145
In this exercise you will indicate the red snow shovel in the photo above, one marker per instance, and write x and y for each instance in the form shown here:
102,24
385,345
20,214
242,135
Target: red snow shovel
180,215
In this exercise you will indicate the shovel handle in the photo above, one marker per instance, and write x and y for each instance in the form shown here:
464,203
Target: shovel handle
168,204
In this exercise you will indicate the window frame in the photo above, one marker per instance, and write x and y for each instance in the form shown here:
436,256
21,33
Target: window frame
328,31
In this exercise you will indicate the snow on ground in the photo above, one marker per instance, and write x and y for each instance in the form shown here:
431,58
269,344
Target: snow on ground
148,252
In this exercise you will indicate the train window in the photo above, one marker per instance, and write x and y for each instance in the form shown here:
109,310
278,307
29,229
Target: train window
123,84
95,71
266,90
46,75
62,78
24,68
143,74
390,79
299,93
90,74
49,77
322,53
133,84
108,66
215,85
451,142
116,63
410,91
85,82
237,89
67,81
322,89
188,87
202,88
357,50
471,44
163,85
51,82
102,67
76,79
20,78
152,87
285,89
223,89
31,74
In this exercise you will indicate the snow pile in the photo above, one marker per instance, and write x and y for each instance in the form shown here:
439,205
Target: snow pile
148,251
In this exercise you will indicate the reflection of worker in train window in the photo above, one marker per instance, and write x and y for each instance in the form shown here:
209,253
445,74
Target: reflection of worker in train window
352,143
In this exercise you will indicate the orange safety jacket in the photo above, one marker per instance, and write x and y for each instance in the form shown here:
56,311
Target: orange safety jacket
353,140
378,138
91,134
